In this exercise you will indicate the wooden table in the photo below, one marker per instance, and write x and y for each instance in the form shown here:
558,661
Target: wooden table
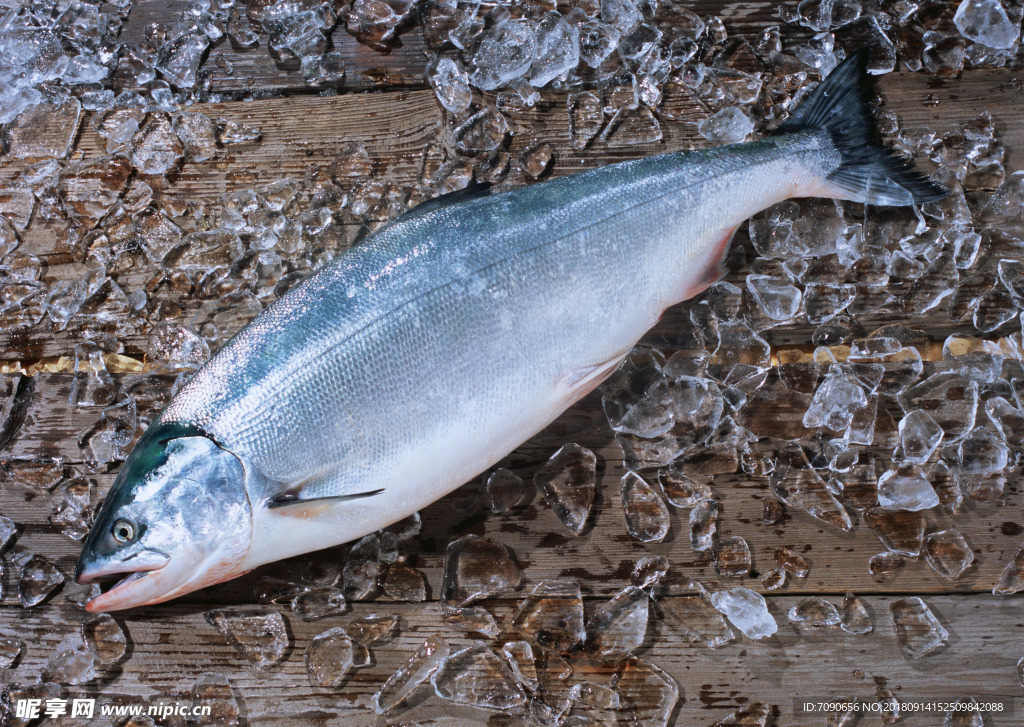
385,106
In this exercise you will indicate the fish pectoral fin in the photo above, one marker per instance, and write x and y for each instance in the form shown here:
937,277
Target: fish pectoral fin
584,380
292,503
714,269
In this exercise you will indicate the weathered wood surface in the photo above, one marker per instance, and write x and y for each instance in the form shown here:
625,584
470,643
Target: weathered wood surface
171,645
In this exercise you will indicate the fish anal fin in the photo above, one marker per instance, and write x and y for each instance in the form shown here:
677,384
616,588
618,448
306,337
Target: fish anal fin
714,270
584,380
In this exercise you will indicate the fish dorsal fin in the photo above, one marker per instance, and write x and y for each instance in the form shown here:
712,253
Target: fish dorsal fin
474,190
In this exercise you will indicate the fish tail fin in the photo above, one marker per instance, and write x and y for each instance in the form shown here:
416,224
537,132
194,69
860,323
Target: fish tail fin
867,172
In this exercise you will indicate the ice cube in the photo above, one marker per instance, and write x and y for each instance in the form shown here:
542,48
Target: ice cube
647,517
792,562
521,659
774,579
362,567
402,582
212,691
318,603
594,696
180,56
920,436
836,401
505,490
732,556
477,676
703,525
986,22
948,553
901,531
906,488
754,715
727,126
650,571
329,658
624,15
45,129
586,117
198,135
776,298
72,662
815,612
476,568
949,398
568,481
451,84
10,650
505,53
797,484
693,614
431,653
619,626
1012,578
680,489
105,638
557,51
552,616
982,453
39,579
475,620
856,618
885,564
747,611
90,189
918,631
258,633
537,160
974,359
650,691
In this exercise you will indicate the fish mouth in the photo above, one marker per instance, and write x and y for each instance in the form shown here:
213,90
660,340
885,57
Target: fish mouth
123,583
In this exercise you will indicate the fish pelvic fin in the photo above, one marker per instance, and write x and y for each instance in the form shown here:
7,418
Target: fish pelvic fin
867,172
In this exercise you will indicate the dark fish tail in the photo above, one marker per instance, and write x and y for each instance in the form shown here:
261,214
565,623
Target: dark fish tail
868,172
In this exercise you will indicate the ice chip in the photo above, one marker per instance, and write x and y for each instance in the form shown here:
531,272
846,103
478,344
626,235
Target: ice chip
920,436
329,658
982,453
430,654
451,84
557,51
362,567
179,58
90,189
156,149
475,620
651,693
586,117
481,133
885,564
650,571
974,359
754,715
38,580
619,626
681,489
747,611
623,14
836,401
198,135
815,612
72,662
948,553
552,616
901,531
476,568
10,650
105,638
856,619
732,556
792,562
779,300
505,490
477,676
727,126
256,632
950,399
965,713
986,22
45,129
703,525
917,630
213,691
567,481
1012,578
318,603
906,488
647,517
506,52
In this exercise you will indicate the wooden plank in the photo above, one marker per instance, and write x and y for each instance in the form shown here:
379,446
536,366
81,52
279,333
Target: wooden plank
171,645
545,548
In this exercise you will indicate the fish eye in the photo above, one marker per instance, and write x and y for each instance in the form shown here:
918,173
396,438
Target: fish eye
123,530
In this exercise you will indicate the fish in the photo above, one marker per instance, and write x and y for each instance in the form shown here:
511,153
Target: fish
422,356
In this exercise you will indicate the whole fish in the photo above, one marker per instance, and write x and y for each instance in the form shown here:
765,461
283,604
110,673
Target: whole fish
422,356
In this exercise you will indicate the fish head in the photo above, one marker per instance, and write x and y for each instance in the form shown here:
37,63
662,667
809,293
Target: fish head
177,519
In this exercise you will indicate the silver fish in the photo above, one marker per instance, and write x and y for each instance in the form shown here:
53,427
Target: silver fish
422,356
